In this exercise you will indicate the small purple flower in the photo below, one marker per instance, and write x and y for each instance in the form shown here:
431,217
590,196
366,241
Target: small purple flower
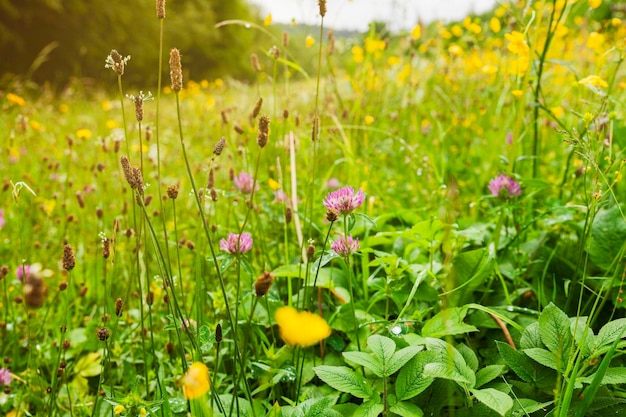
5,376
22,271
244,182
236,244
504,186
509,138
279,196
2,220
344,200
345,247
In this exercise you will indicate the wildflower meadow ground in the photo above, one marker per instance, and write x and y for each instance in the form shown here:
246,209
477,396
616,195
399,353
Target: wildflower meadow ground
428,223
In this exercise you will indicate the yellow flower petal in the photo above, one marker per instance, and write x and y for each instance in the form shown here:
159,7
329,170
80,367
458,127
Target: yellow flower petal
195,383
416,33
84,133
594,81
118,409
274,185
15,99
594,4
301,328
310,41
268,20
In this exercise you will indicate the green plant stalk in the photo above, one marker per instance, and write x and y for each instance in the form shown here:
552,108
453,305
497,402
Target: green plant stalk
209,240
536,139
352,299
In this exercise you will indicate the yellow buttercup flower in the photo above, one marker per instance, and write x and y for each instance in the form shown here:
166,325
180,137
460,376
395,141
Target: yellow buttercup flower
195,383
416,32
84,133
15,99
119,409
517,93
517,43
594,4
309,42
142,412
594,81
274,185
268,20
494,25
301,328
369,119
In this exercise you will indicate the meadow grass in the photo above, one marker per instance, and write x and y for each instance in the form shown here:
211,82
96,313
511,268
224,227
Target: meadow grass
430,223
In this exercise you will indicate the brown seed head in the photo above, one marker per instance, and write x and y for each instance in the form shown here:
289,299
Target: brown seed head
138,100
4,271
315,129
264,131
263,283
172,191
176,71
257,108
322,4
66,344
119,307
219,146
80,199
254,60
285,114
285,39
160,9
126,168
211,181
238,129
63,286
137,183
69,259
116,62
310,251
274,52
288,215
106,248
331,215
103,334
224,117
218,333
213,194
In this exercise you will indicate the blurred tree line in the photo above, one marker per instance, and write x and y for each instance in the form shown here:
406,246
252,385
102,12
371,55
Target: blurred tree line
56,40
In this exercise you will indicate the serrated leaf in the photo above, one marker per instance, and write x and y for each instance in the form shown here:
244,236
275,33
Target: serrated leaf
453,360
518,362
406,409
411,381
382,348
608,233
447,322
498,401
468,354
344,379
610,331
612,376
366,360
369,409
400,358
523,407
88,365
583,335
446,371
488,374
531,338
544,357
318,407
554,328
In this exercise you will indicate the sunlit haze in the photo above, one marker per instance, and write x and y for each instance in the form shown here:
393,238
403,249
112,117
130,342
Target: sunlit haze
356,14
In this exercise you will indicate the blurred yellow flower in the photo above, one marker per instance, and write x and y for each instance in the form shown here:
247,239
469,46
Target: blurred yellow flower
494,25
374,45
111,124
106,105
416,32
118,409
63,108
594,81
84,133
195,383
15,99
595,41
142,412
594,4
616,22
517,93
455,50
369,119
309,42
445,33
35,125
517,43
558,111
393,60
268,20
274,185
301,328
357,54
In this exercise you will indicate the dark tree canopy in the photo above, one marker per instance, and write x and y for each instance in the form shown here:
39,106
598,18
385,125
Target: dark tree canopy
77,35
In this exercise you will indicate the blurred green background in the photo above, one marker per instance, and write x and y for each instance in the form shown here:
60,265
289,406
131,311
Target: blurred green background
61,40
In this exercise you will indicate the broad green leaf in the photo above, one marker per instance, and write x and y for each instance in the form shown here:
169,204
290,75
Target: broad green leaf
544,357
447,322
451,359
382,348
448,371
369,409
88,365
608,234
610,331
613,376
468,354
318,407
344,379
583,335
498,401
401,357
554,327
406,409
366,360
523,366
488,374
531,338
410,380
523,407
469,271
